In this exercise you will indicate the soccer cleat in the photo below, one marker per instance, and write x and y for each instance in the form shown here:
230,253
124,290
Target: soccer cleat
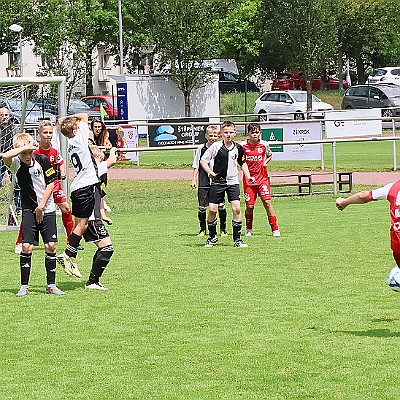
239,243
54,290
18,248
211,241
96,286
69,265
80,247
224,233
248,232
22,292
201,233
276,233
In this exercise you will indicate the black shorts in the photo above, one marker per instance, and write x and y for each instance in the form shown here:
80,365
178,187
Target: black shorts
202,196
217,193
95,231
31,229
82,201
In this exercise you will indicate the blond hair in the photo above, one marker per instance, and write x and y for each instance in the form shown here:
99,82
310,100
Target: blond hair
45,123
21,139
68,125
212,129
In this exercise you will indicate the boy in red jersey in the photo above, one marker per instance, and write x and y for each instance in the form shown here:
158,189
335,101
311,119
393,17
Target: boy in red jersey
257,154
390,192
56,161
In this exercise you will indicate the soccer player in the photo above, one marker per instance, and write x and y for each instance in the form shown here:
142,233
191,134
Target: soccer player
36,178
46,148
257,154
203,190
75,128
220,162
96,231
390,192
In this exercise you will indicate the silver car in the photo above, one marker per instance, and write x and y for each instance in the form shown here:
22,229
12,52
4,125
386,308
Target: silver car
33,113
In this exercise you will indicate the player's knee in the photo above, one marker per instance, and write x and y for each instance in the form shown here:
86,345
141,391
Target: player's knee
106,252
50,247
221,207
250,207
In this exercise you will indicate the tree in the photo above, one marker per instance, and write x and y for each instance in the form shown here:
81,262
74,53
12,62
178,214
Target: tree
182,32
301,34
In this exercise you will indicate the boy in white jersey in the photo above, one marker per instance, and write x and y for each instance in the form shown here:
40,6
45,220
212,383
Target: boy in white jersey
257,154
36,178
203,190
226,156
75,128
390,192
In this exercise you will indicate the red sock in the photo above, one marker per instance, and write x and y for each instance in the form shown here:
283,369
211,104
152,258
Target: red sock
68,223
272,222
19,240
249,220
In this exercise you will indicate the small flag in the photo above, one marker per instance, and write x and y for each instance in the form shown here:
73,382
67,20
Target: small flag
102,112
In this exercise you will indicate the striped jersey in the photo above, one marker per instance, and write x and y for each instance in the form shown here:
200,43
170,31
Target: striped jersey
82,159
226,161
204,180
33,181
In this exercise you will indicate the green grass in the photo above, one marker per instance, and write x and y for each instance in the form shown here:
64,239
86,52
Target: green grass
305,316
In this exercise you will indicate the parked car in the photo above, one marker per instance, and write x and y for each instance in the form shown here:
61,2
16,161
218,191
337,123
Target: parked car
289,104
78,106
230,82
295,80
380,95
385,75
33,113
109,104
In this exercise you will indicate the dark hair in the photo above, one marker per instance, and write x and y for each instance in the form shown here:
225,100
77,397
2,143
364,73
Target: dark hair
103,138
253,127
227,123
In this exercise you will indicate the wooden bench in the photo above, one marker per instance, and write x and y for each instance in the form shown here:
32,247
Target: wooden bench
306,183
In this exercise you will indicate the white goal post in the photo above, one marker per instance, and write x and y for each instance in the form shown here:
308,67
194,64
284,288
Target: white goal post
8,218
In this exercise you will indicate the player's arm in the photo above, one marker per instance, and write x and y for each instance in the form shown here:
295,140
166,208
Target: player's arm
357,198
10,154
246,173
194,177
46,195
268,158
207,168
112,158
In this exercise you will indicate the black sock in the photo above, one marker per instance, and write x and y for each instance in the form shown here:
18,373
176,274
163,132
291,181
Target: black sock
50,264
237,229
202,219
72,247
25,266
212,228
100,261
222,217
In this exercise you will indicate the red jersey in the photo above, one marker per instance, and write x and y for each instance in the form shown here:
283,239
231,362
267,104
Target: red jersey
255,156
391,192
53,156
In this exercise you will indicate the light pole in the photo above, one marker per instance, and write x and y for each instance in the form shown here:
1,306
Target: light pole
121,43
18,28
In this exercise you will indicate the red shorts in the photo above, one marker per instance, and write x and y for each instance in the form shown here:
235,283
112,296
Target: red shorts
58,193
251,192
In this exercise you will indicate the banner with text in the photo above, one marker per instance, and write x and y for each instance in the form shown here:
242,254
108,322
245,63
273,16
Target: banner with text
299,131
165,134
127,136
350,123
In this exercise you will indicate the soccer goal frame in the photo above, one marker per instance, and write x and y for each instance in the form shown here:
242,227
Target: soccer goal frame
10,220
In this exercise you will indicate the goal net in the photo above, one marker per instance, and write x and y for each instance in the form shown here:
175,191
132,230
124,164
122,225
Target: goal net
19,112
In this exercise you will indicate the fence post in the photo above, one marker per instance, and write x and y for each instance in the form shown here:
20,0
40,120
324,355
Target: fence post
394,146
334,168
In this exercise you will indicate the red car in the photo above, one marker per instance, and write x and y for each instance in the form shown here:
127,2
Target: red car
109,104
295,80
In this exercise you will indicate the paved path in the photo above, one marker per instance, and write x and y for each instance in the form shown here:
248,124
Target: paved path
367,178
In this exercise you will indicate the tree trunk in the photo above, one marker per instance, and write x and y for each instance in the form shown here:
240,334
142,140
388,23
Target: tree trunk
340,68
187,103
89,73
360,70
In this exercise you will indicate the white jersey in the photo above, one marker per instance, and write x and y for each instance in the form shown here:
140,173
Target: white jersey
82,159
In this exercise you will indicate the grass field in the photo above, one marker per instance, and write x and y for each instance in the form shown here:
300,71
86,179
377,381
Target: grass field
305,316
